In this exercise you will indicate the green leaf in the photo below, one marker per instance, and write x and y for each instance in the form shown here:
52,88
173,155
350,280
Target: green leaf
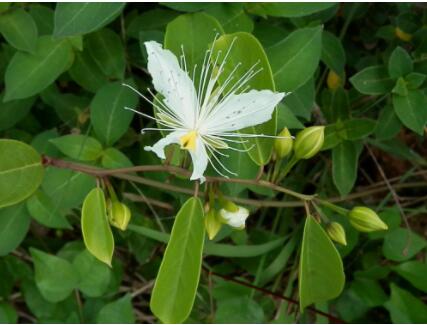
94,275
86,73
14,111
78,147
239,310
96,230
82,18
231,16
19,29
43,209
295,59
54,276
373,81
335,104
14,225
345,158
409,110
293,9
106,48
405,308
21,171
8,314
117,312
247,51
388,124
113,158
370,291
333,54
402,244
43,17
301,101
109,117
321,274
415,272
176,284
356,128
40,69
400,63
415,80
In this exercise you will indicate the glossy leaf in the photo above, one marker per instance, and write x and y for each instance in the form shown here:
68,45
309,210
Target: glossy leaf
21,171
109,117
54,276
96,230
176,284
14,225
372,81
51,58
295,59
81,18
321,274
19,29
78,147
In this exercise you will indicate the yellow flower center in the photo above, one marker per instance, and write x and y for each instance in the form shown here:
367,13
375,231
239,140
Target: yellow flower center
188,141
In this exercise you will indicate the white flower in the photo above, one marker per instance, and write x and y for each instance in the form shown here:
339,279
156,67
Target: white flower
203,120
235,219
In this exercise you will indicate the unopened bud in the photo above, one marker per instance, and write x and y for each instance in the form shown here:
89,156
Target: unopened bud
334,80
283,146
212,223
309,141
119,215
366,220
336,232
400,34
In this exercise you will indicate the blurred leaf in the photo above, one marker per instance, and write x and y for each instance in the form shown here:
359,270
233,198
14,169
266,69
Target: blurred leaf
369,291
335,104
321,274
400,63
8,314
231,16
333,54
109,117
96,230
14,111
54,276
415,272
176,284
14,225
372,81
295,59
78,147
81,18
51,58
43,17
19,29
21,171
388,124
356,128
345,157
239,310
117,312
408,110
292,9
94,276
405,308
402,244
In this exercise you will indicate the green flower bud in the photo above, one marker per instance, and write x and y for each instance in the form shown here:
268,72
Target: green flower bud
283,146
336,232
119,215
366,220
309,141
212,224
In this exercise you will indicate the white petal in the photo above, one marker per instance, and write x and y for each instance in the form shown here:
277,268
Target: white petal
240,111
158,147
173,83
200,160
235,219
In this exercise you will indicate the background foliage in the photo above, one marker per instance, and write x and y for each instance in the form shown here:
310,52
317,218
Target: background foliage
359,69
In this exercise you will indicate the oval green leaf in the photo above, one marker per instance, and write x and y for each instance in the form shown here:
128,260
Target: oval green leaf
321,273
21,171
14,225
78,147
176,285
372,81
410,110
96,230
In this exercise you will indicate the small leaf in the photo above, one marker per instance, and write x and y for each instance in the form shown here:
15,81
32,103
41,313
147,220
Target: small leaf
295,59
176,285
96,230
411,110
21,171
40,69
82,18
19,29
373,81
78,147
94,275
344,166
356,128
14,225
388,124
14,111
333,54
321,273
335,104
114,158
109,117
86,73
400,63
415,272
402,244
117,312
239,310
54,276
